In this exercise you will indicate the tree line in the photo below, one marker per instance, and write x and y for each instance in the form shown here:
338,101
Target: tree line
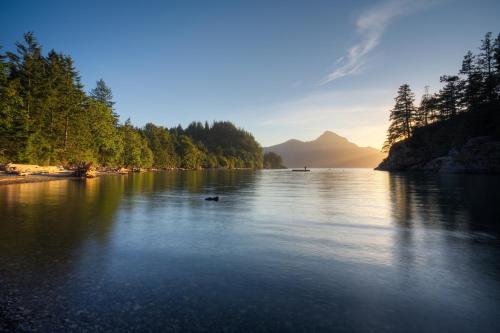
47,118
475,87
273,161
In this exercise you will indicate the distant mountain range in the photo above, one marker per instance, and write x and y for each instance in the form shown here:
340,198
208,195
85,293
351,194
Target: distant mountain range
328,151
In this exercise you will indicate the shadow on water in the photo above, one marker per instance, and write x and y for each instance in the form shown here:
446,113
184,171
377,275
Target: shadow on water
453,202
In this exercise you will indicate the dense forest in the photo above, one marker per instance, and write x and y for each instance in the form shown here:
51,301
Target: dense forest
47,118
467,104
273,161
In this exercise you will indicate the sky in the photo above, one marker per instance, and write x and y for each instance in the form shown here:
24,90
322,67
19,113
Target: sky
280,69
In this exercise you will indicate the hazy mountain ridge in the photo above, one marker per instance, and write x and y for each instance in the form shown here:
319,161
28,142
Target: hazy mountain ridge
327,151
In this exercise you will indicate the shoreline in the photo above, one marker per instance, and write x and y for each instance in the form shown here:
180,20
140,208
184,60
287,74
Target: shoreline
8,179
12,179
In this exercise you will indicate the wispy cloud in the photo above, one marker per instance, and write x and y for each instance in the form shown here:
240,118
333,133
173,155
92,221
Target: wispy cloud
370,27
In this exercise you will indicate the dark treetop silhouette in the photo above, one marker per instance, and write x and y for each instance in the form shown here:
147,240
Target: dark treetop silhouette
456,129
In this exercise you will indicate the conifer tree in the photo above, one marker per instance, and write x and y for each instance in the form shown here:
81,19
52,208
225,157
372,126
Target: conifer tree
486,64
162,145
496,59
106,138
423,112
102,93
27,69
132,145
12,126
191,156
402,116
470,86
273,161
449,96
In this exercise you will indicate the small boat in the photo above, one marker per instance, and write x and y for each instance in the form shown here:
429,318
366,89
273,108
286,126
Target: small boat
212,198
302,170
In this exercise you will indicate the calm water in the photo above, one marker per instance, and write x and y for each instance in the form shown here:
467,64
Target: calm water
329,250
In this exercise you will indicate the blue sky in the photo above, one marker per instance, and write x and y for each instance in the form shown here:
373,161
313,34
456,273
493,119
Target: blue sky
280,69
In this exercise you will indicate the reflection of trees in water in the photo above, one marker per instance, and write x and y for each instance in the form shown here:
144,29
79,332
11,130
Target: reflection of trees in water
46,224
215,181
49,231
187,188
463,205
401,200
464,202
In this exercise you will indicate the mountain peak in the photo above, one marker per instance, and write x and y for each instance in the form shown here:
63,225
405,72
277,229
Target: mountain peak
330,136
328,133
328,150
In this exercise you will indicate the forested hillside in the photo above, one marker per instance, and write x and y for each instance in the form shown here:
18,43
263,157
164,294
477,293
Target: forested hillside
456,128
47,118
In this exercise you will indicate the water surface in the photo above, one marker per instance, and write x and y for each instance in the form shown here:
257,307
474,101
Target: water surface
330,250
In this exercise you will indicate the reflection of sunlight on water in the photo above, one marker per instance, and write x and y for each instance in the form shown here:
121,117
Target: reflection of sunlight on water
91,187
338,214
32,193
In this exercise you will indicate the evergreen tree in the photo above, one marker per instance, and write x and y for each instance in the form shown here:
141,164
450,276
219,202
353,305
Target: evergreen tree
12,126
486,64
471,85
432,106
147,157
133,147
423,112
210,161
273,161
496,59
27,68
102,93
197,132
449,96
162,145
64,126
106,138
191,156
402,116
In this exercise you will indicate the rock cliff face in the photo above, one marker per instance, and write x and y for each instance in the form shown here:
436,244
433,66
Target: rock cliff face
477,155
467,143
